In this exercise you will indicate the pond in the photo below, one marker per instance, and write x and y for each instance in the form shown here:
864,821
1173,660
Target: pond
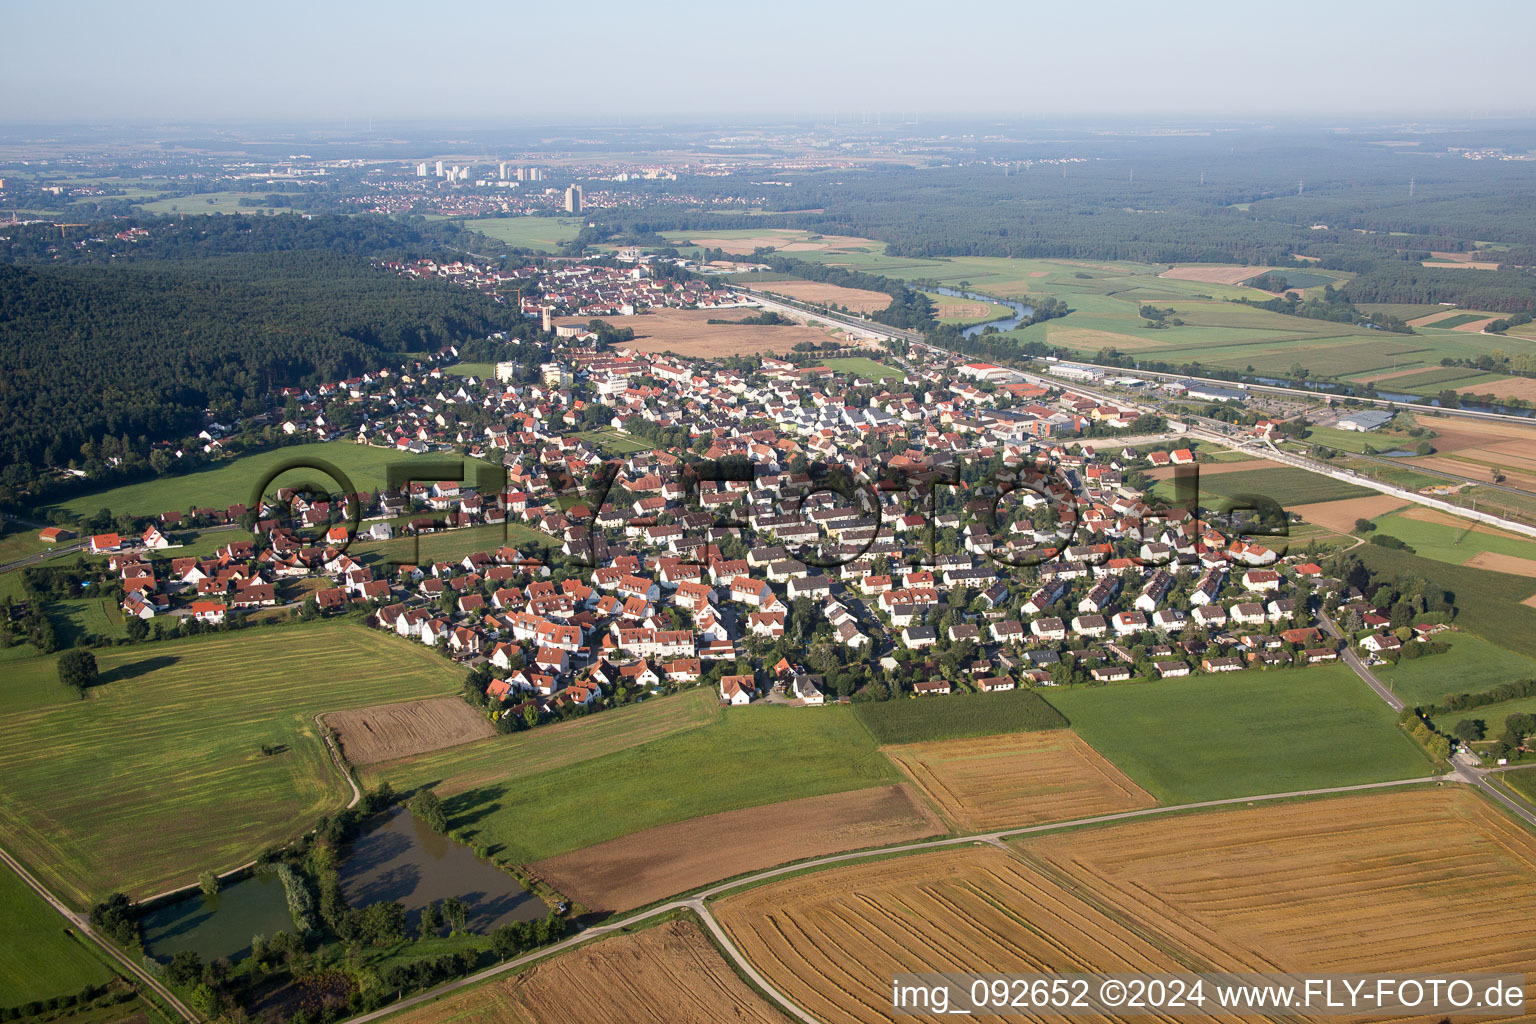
218,925
403,860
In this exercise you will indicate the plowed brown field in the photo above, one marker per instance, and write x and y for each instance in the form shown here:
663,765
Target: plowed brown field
389,731
669,974
641,868
1340,516
1018,779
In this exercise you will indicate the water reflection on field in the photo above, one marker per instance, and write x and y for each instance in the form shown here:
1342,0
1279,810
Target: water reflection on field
218,925
403,860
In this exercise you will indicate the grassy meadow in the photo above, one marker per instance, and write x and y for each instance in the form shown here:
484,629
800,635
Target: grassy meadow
158,773
228,483
1217,736
37,960
1453,542
542,233
745,757
1489,604
861,366
1285,484
1106,299
1470,666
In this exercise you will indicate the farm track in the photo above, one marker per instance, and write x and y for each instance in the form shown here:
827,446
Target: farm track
83,925
696,902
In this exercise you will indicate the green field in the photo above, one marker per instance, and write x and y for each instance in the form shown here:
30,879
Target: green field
230,483
552,746
1487,603
1453,543
941,717
1430,381
1106,299
1285,484
19,542
615,442
485,371
1460,320
1522,781
866,368
37,960
1356,441
211,202
1211,737
1307,279
159,773
449,545
745,757
1492,716
1401,310
1472,665
542,233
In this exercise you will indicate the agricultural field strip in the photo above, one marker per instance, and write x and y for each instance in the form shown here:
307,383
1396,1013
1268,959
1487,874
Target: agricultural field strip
696,902
84,927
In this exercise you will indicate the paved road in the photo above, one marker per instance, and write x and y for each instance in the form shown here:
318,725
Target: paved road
1352,659
695,903
50,553
1473,775
83,926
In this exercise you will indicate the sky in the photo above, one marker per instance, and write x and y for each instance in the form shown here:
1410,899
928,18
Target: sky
569,62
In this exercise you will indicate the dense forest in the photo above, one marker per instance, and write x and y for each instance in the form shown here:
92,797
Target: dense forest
178,238
1505,290
136,351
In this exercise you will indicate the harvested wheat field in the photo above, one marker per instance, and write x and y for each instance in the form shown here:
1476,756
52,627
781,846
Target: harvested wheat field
859,300
1088,339
1434,515
641,868
1360,883
831,941
1502,563
669,974
959,309
688,332
389,731
1215,275
1340,516
784,240
1514,387
1018,779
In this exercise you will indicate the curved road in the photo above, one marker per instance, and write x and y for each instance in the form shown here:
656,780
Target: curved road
695,903
1471,772
83,926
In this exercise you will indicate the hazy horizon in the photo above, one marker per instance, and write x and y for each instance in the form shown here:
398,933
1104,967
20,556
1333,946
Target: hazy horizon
478,63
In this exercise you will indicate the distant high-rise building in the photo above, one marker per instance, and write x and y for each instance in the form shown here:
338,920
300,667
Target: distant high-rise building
439,168
535,174
502,171
573,199
421,170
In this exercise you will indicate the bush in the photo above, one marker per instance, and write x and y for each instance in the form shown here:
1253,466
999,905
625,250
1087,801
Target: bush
429,809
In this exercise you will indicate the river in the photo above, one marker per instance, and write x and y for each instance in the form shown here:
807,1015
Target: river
1021,312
